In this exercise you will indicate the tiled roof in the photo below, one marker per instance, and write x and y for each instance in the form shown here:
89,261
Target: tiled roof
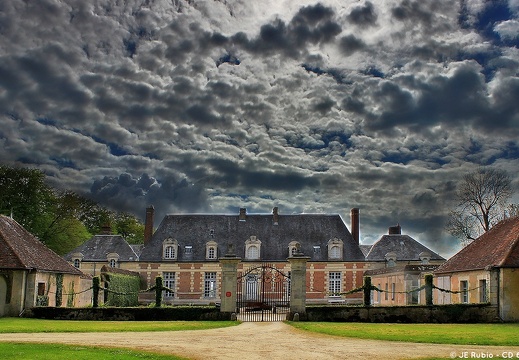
365,249
99,246
498,247
310,230
19,249
405,247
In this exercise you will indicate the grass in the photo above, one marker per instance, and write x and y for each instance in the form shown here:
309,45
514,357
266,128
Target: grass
23,325
65,352
462,334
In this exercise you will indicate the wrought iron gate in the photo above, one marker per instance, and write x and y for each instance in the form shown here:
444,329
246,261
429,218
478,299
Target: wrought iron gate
263,294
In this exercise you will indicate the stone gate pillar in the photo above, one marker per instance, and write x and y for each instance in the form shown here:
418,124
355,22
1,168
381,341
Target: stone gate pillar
229,282
298,285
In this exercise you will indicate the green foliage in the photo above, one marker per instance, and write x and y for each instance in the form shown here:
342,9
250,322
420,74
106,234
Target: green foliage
59,289
123,290
129,227
26,325
26,196
66,352
70,296
158,290
463,334
95,291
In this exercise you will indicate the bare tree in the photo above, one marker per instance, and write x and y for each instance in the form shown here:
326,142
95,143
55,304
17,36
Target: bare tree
481,201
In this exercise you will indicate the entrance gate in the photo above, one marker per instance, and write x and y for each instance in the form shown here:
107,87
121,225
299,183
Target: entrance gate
263,294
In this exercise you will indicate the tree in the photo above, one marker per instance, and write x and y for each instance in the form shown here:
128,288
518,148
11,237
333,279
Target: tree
481,197
129,227
27,198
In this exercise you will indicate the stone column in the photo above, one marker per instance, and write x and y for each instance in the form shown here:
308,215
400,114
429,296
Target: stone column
229,282
298,285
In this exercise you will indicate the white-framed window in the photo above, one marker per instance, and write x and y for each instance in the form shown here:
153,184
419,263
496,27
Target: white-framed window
210,285
335,247
334,282
169,282
464,293
211,250
483,294
170,249
113,263
77,263
252,248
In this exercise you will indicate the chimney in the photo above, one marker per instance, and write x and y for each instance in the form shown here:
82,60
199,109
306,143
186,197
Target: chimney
148,224
395,230
275,216
354,217
243,214
106,229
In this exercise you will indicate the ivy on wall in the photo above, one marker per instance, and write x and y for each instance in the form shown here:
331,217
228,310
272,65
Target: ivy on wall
59,289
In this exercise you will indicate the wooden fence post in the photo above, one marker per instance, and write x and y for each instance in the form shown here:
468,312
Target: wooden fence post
158,291
95,286
428,289
367,291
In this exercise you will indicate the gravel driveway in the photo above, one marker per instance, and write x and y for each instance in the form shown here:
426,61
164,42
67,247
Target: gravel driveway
261,341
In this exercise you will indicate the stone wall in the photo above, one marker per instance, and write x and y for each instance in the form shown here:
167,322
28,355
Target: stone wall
458,313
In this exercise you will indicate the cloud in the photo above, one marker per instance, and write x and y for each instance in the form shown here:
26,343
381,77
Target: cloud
308,106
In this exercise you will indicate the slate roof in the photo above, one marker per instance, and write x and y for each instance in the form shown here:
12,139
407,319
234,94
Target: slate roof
399,269
99,246
405,247
21,250
309,230
498,247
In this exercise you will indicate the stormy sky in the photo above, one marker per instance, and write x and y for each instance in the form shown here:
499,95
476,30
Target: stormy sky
313,107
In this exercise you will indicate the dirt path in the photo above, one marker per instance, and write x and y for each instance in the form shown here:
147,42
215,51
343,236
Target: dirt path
261,341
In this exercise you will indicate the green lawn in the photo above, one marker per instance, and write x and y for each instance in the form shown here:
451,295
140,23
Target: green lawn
18,325
462,334
12,351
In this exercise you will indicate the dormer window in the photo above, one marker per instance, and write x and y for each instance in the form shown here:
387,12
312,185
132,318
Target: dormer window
425,257
112,258
252,248
170,249
76,259
391,259
211,248
335,249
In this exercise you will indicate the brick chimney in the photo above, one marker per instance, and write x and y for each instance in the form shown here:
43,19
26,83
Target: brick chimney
243,214
354,217
106,229
275,216
148,224
395,230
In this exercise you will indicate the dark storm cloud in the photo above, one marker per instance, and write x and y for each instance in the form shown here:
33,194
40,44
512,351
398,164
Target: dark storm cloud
363,16
128,193
350,44
311,25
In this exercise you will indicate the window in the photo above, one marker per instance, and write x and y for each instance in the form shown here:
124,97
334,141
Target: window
113,263
379,295
77,263
188,250
41,289
393,291
211,250
464,295
335,247
386,292
170,249
413,297
169,282
334,283
169,252
483,297
252,252
252,248
210,285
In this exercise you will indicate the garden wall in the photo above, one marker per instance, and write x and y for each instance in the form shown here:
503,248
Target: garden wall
183,313
456,313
